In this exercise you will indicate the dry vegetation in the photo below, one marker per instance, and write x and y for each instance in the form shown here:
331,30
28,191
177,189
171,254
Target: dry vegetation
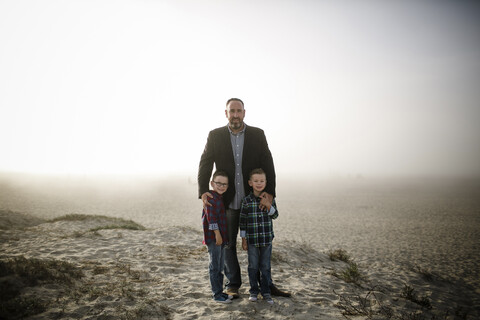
20,273
116,289
115,223
351,273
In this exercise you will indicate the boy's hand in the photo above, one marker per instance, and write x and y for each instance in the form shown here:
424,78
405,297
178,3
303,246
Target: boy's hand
218,237
244,244
266,201
205,197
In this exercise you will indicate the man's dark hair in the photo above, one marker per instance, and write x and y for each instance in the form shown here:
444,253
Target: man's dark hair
220,173
256,171
235,99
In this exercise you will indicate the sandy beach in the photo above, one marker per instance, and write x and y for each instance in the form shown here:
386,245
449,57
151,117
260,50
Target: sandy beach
357,252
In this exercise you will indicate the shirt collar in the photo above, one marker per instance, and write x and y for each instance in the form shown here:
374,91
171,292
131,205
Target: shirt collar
254,196
215,194
241,132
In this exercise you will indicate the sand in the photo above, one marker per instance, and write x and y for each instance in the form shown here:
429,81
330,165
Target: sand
161,272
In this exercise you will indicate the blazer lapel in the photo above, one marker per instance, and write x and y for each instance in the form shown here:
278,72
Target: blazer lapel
227,143
246,146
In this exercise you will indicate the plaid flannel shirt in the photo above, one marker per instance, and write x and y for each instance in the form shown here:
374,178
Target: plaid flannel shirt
256,225
214,218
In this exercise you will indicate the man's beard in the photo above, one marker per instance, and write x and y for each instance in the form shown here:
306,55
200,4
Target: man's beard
236,125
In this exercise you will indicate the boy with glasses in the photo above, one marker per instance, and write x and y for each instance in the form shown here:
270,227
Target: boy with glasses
215,235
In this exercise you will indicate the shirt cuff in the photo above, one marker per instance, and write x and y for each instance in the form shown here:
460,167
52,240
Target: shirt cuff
213,226
272,211
243,233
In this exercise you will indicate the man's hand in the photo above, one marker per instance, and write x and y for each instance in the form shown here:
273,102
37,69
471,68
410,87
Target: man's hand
205,197
266,201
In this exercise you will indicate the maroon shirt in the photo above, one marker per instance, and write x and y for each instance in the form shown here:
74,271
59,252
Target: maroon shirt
214,218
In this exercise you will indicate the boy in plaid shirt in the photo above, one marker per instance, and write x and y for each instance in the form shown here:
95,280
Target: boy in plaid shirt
215,235
256,230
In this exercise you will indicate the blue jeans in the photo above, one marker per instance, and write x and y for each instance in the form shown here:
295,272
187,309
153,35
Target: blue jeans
232,268
215,268
259,260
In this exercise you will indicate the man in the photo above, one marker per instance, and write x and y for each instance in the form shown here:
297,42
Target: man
236,149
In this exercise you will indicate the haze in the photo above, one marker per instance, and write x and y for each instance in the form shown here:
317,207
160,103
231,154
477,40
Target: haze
340,87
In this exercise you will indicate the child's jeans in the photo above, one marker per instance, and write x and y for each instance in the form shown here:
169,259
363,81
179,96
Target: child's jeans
259,259
215,268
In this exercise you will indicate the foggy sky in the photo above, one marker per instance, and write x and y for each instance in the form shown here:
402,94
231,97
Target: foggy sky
340,87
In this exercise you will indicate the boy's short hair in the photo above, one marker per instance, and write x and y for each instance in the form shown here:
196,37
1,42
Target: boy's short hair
220,173
256,171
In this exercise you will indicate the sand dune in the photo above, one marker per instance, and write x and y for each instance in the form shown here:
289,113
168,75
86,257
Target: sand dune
161,273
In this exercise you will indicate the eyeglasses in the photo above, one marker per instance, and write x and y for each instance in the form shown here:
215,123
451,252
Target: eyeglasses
219,184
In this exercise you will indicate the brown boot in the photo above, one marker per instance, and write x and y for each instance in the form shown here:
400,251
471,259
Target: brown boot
232,292
274,291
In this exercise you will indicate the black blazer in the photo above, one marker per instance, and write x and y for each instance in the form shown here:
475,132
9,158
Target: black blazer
218,150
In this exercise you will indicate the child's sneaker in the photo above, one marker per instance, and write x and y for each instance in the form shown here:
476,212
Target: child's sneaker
268,299
253,298
222,299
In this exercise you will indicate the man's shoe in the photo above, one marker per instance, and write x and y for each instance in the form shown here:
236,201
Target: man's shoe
232,292
274,291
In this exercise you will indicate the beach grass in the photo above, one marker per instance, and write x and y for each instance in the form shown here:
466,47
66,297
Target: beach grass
409,293
339,255
351,273
22,279
20,272
114,223
371,306
33,270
